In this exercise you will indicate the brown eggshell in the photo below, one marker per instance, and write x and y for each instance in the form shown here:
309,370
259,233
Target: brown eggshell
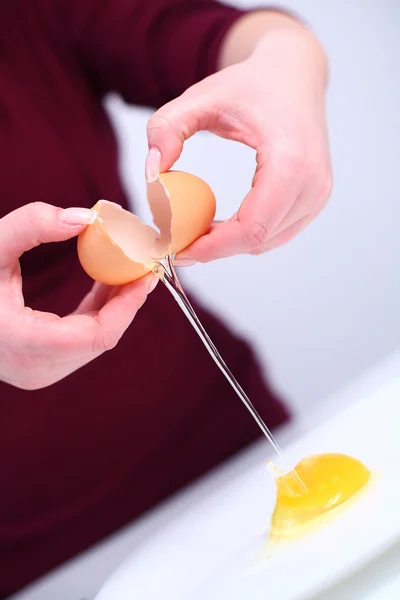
100,246
118,248
192,204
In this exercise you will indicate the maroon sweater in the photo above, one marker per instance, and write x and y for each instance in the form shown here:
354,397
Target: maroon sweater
85,456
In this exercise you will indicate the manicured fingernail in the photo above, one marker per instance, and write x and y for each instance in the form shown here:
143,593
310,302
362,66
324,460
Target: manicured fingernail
153,284
153,162
77,216
184,262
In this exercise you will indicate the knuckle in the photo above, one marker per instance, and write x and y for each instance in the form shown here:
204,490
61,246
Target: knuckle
34,214
104,341
22,373
256,234
158,123
15,361
37,205
24,367
163,120
321,191
167,120
33,209
257,251
325,189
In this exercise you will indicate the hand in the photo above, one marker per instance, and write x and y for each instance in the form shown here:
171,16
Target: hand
274,102
37,348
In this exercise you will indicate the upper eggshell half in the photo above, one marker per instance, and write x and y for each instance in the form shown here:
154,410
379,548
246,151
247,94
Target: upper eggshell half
192,205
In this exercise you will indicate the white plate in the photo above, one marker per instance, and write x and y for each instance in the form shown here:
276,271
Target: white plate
212,551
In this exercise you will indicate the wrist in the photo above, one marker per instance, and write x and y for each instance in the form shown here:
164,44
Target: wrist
296,47
255,33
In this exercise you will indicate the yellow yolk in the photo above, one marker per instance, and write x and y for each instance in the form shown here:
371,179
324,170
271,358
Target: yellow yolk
329,479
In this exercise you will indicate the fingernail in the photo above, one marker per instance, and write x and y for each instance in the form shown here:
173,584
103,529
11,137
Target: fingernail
153,284
184,262
153,162
77,216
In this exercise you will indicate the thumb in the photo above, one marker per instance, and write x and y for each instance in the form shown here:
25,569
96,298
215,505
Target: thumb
37,223
169,128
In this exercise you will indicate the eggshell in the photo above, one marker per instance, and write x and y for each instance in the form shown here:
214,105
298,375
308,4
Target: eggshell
192,204
118,248
160,206
115,248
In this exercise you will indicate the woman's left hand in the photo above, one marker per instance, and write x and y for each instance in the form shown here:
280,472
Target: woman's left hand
274,102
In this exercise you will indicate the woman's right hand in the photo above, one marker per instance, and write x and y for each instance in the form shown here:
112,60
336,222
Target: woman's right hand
38,348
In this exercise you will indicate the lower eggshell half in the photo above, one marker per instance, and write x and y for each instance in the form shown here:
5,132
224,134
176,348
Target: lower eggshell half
103,260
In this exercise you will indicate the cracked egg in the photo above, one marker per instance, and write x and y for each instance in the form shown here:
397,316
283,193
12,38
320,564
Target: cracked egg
118,247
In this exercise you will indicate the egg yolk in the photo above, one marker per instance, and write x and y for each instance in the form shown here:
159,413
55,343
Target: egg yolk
329,481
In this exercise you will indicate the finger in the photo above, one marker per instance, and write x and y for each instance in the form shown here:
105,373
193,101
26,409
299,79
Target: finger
64,345
273,194
94,299
169,128
122,307
309,204
95,333
294,214
38,223
286,235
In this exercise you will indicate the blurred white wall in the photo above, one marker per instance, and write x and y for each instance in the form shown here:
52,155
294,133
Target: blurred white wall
326,306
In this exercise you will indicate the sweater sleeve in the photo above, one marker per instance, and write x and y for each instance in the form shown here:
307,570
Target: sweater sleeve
149,51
